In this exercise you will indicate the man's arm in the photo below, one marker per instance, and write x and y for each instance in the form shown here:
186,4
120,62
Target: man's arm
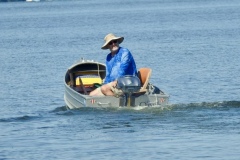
125,62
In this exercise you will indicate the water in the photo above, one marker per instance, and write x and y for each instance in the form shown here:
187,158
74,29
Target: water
192,47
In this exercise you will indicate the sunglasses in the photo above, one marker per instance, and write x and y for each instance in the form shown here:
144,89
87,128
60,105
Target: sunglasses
111,42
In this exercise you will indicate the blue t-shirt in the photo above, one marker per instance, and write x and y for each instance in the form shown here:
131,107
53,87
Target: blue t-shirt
122,63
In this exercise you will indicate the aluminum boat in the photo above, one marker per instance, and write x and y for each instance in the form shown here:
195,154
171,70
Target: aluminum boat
86,75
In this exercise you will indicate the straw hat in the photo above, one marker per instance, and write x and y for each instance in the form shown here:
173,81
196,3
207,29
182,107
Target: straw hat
111,37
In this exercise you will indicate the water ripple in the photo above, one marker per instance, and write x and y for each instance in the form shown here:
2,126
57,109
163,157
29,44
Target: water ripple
20,119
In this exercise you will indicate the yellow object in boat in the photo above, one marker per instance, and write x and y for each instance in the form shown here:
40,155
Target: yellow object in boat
88,79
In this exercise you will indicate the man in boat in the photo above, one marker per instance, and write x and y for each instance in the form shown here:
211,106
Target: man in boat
119,62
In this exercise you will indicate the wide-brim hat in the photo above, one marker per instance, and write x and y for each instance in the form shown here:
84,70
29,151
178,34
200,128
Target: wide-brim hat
109,38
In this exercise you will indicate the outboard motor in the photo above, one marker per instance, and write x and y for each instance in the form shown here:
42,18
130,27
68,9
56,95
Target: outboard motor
128,84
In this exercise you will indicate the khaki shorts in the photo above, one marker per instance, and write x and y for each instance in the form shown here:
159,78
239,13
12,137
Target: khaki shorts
117,92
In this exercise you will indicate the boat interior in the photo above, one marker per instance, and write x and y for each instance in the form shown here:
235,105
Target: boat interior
86,77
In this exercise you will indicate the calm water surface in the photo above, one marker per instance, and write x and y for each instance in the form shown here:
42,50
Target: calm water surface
192,47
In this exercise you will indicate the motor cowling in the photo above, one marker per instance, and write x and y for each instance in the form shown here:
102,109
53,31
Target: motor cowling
128,84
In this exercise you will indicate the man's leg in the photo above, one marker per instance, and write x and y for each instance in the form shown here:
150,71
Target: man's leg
96,92
106,89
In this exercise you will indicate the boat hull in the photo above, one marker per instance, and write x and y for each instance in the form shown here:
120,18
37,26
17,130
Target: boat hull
74,100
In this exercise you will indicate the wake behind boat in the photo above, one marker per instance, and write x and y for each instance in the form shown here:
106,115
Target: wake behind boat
86,75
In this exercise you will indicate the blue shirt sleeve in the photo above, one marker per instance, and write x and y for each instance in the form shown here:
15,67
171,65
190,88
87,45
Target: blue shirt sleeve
125,63
108,67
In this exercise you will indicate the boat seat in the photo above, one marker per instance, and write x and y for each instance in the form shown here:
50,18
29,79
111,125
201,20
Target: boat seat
144,76
88,82
83,83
